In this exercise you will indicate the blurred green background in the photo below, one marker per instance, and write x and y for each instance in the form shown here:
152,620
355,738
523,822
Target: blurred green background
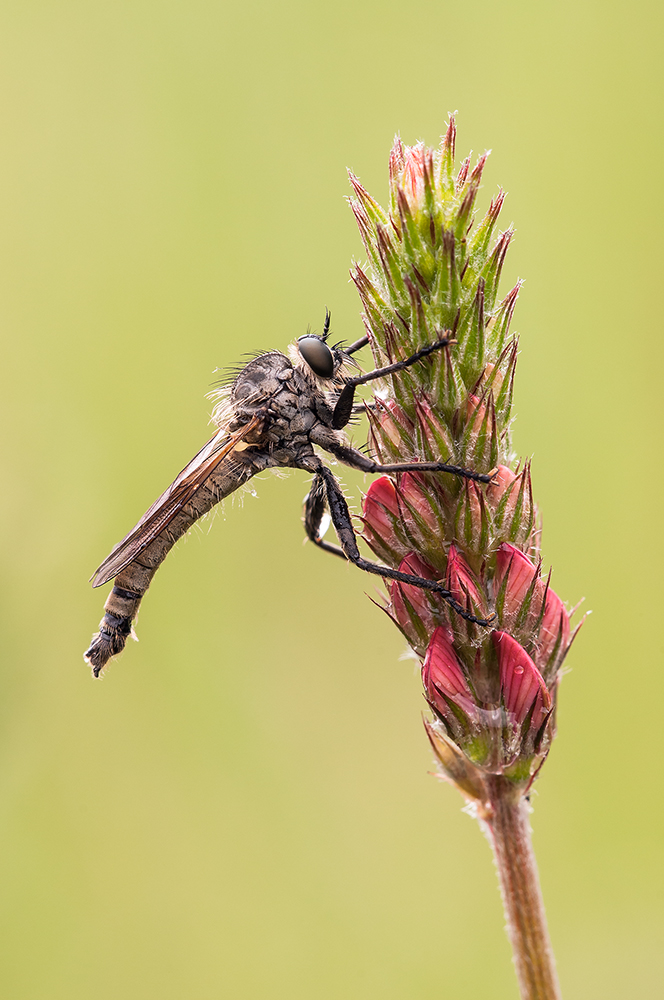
242,807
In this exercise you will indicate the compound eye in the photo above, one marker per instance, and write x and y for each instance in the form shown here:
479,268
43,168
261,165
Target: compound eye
317,355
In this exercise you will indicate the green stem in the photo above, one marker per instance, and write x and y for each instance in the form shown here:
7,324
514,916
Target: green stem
506,821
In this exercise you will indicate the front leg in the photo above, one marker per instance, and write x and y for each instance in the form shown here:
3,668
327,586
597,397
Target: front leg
343,526
344,407
400,366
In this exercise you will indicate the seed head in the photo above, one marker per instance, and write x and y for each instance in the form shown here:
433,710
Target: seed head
433,270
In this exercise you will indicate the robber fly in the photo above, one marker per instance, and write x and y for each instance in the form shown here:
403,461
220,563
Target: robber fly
271,415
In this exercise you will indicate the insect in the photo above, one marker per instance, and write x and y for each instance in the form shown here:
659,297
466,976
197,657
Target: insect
271,415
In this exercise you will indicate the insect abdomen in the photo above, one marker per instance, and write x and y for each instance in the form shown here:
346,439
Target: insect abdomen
132,582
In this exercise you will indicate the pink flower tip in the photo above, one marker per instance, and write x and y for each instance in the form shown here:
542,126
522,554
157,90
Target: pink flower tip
502,481
381,504
476,412
443,677
461,581
382,491
517,572
412,179
415,496
515,575
416,597
393,422
521,683
381,514
555,626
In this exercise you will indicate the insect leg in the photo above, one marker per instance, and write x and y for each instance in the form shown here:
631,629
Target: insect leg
399,366
344,407
357,346
354,458
314,512
346,533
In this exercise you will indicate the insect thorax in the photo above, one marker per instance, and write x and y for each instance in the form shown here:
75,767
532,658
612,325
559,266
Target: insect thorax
291,401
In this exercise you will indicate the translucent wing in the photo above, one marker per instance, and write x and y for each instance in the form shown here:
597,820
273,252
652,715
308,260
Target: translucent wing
163,510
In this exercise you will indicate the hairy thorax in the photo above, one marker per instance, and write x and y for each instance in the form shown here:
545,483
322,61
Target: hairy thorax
294,405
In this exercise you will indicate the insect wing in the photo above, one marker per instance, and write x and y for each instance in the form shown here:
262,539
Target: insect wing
163,510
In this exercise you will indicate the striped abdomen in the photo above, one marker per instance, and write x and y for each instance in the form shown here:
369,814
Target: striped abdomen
134,579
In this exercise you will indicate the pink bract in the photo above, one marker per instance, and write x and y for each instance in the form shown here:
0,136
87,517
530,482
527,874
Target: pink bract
442,675
520,681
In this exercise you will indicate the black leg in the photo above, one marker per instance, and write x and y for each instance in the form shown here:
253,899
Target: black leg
344,407
399,366
359,461
314,511
357,346
346,533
